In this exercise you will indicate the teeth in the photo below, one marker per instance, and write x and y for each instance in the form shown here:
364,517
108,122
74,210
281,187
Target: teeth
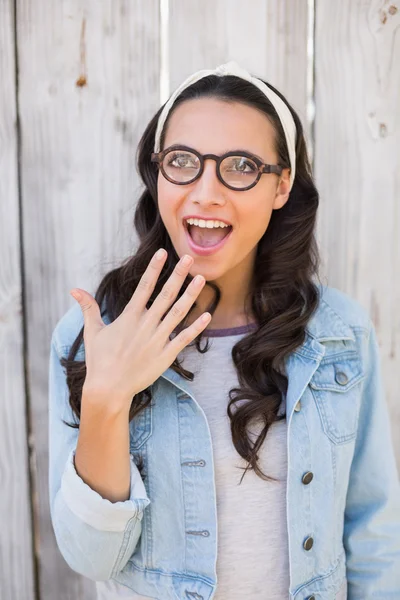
206,224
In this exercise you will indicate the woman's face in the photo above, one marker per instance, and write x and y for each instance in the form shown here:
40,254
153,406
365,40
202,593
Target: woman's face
211,125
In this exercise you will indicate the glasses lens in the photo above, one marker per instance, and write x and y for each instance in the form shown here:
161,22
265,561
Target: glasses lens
181,166
238,171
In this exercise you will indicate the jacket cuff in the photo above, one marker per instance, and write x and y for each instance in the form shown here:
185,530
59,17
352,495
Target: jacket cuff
96,511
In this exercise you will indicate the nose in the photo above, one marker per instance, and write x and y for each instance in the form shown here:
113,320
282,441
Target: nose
208,189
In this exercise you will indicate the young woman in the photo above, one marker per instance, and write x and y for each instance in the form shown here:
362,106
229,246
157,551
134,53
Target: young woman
150,428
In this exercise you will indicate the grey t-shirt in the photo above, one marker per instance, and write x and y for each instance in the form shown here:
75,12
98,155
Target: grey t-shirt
252,557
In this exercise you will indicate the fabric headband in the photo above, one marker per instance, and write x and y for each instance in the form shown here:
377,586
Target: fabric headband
232,68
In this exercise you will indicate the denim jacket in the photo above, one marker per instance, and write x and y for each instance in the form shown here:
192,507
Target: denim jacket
343,524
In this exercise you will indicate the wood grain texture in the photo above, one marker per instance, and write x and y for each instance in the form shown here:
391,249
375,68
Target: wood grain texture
89,81
16,556
266,37
357,165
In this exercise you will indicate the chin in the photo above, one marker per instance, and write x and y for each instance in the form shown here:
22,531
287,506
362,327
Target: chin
210,272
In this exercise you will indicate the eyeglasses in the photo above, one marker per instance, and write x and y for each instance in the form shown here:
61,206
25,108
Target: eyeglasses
238,170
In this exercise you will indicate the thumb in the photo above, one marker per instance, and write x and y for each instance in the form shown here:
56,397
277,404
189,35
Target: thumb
89,307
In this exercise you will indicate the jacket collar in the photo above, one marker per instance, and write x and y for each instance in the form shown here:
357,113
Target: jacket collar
324,325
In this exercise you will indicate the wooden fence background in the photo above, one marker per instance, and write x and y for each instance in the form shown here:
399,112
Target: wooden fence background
79,79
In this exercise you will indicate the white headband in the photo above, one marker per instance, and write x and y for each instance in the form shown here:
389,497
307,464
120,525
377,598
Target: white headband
232,68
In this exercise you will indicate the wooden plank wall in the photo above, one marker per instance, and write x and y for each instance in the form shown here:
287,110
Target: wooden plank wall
269,38
16,550
89,76
357,165
89,80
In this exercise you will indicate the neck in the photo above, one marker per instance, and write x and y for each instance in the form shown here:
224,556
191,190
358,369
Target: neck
234,308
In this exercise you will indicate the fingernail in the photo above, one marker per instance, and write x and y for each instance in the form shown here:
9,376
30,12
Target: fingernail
77,295
198,280
186,260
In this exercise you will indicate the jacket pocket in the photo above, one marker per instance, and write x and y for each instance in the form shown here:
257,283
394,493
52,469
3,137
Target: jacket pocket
336,387
331,585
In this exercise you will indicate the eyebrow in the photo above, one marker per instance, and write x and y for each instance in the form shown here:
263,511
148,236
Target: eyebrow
254,154
225,152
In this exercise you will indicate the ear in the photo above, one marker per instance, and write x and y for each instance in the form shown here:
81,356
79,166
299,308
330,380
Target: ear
282,190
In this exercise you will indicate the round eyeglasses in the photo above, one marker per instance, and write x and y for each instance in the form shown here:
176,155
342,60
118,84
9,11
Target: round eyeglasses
238,170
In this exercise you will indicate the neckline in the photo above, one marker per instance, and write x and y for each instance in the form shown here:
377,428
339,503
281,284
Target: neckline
230,330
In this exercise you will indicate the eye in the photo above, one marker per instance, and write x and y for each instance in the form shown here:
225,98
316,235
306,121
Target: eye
239,164
182,160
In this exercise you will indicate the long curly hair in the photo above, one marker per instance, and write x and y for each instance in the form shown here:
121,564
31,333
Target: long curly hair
283,295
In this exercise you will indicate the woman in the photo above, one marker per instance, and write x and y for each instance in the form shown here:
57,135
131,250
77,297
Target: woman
149,429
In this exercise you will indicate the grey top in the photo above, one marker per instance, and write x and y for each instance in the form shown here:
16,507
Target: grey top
252,557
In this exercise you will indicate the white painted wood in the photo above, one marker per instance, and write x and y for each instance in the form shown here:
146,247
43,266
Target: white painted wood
16,560
266,37
357,164
89,82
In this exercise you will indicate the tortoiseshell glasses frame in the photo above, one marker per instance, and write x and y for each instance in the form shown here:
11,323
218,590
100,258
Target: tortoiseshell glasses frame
158,157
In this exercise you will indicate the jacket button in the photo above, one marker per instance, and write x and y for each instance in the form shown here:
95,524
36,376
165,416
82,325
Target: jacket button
298,406
307,477
341,377
310,598
308,543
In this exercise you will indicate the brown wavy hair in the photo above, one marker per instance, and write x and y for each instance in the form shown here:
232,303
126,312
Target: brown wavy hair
283,296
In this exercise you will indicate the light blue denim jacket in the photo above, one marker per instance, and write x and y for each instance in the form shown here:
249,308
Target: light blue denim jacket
162,542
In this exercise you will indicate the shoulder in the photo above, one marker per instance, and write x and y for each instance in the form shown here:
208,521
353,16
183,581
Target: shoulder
70,324
67,329
349,309
338,314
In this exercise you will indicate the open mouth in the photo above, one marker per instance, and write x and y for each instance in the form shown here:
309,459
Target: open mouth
204,243
207,237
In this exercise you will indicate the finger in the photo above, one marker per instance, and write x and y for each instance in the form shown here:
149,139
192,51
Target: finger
170,289
186,336
90,309
181,308
147,282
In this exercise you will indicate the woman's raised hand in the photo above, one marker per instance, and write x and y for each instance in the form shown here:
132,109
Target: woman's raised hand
128,355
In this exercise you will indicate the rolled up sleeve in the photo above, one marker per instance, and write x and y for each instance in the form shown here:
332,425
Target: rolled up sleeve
96,511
